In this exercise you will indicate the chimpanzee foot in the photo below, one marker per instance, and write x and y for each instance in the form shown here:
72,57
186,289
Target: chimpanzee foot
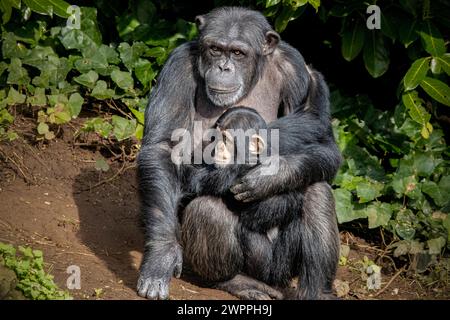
247,288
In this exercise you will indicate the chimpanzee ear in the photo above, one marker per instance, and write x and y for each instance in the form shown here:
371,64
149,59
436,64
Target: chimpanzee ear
257,144
272,40
200,22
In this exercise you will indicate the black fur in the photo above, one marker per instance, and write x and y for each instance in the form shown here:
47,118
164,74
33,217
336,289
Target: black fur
273,79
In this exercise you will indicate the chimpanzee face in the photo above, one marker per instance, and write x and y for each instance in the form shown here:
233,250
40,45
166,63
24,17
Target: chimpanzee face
226,152
233,51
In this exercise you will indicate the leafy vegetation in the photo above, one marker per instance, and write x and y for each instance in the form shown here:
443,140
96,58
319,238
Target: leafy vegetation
396,170
32,279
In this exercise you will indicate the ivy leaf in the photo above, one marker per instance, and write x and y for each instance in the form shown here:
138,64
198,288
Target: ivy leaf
123,128
432,39
404,224
123,79
75,103
433,190
17,74
144,72
435,245
416,73
14,97
352,41
11,48
379,214
38,99
87,79
101,165
368,191
130,54
101,91
42,128
436,89
344,207
376,56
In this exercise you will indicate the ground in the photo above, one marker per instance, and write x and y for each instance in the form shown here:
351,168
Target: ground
52,198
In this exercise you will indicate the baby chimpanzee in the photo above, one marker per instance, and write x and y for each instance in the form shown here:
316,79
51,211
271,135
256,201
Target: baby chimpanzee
244,140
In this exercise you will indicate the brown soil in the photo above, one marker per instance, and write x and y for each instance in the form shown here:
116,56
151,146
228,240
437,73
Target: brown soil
48,200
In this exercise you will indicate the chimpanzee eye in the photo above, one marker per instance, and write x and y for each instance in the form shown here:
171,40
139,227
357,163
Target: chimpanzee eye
214,48
238,53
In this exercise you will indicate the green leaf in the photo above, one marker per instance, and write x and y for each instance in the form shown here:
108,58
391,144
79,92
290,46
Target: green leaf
379,214
315,4
144,72
344,207
11,48
376,56
123,79
352,41
435,245
14,97
62,114
101,91
404,224
433,190
282,20
417,112
38,57
38,99
406,186
17,74
270,3
432,39
368,191
101,165
75,103
42,128
123,128
425,163
444,62
87,79
98,125
6,9
436,89
130,54
58,7
416,73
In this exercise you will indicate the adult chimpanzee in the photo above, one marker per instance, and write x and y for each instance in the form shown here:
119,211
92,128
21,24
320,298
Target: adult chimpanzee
239,59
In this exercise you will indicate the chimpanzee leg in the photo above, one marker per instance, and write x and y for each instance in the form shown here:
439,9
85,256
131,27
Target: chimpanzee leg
209,237
211,241
319,243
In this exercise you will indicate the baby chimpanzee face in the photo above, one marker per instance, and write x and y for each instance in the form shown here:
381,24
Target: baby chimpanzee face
237,147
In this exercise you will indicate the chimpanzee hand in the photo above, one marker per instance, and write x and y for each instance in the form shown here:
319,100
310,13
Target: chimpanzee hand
157,270
257,184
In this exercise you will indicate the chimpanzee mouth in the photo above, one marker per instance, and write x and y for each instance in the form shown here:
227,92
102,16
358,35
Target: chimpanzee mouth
224,90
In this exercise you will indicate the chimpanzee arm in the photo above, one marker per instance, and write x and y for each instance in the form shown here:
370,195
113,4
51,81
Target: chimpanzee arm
308,151
216,181
170,107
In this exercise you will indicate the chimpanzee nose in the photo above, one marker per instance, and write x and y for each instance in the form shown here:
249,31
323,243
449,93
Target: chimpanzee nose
225,66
